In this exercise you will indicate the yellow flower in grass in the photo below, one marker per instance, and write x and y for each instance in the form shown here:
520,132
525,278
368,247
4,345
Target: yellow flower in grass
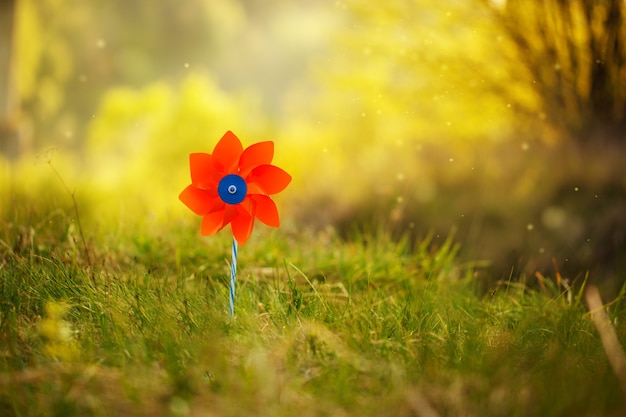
59,342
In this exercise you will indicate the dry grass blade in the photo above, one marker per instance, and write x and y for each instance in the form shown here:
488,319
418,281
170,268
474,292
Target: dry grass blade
610,342
420,405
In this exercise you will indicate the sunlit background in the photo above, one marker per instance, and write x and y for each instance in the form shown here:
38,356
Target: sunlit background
502,122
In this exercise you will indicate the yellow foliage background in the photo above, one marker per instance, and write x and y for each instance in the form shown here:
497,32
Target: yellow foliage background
415,115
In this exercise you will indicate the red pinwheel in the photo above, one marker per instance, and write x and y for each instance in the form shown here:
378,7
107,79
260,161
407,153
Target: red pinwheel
233,186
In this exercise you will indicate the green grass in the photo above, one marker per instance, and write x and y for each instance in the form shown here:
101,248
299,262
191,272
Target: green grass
323,327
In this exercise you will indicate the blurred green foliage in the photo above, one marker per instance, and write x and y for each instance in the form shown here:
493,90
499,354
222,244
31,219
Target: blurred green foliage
416,116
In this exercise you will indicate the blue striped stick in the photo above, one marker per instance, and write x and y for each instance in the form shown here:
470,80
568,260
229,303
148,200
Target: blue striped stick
233,278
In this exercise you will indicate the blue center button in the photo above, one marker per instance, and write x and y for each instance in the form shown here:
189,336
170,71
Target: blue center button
232,189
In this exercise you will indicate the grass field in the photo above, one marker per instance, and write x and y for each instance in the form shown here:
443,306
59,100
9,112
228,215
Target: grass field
133,321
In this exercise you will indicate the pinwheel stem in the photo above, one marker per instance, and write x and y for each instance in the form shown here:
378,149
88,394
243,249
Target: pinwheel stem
233,278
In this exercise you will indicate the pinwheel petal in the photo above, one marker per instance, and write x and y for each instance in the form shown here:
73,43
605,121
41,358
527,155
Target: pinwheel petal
248,205
254,155
212,223
231,211
227,152
203,173
242,226
268,178
265,210
200,201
